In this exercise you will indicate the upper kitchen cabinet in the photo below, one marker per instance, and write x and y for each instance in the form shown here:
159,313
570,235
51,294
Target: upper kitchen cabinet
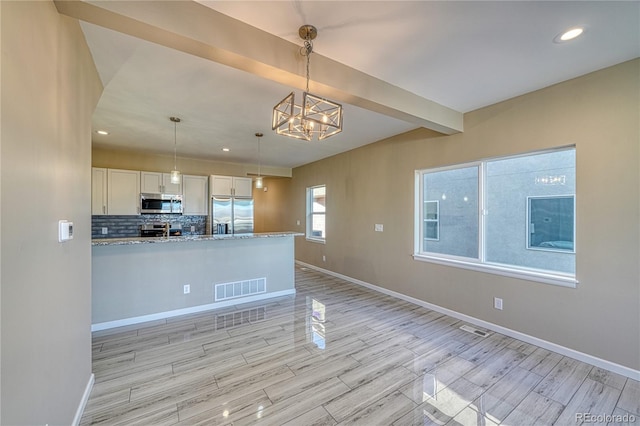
98,191
195,199
159,183
123,192
242,187
231,186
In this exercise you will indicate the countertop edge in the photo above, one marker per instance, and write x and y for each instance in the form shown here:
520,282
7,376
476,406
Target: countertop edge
189,238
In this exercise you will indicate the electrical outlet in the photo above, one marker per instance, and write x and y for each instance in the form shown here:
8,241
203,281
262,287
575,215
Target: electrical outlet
187,289
298,222
105,230
324,258
193,228
378,227
497,303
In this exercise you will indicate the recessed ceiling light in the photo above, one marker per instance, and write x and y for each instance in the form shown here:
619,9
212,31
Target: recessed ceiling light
570,34
226,149
102,132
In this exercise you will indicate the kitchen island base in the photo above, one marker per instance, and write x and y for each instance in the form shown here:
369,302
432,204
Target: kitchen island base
136,281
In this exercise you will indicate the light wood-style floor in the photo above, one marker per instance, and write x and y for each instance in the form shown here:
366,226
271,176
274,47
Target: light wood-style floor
337,353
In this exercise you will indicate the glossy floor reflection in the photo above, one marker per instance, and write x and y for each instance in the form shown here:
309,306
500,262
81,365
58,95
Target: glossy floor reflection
337,353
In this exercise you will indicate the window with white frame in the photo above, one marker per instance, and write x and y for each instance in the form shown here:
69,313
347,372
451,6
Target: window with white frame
513,216
456,190
316,213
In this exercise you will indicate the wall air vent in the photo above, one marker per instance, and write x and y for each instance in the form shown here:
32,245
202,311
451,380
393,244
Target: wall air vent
226,291
473,330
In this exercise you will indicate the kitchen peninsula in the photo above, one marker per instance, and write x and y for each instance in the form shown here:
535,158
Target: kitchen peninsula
142,279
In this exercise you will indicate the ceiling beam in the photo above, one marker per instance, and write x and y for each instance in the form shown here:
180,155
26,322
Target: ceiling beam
204,32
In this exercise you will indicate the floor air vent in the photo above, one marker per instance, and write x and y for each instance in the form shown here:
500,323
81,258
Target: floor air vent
474,330
226,291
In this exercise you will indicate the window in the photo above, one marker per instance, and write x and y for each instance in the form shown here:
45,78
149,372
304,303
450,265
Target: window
551,223
456,190
431,222
316,209
513,216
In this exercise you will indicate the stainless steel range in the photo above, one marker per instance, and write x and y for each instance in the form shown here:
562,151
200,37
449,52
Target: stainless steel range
161,229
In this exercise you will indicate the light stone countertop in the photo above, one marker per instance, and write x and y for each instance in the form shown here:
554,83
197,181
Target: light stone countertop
188,238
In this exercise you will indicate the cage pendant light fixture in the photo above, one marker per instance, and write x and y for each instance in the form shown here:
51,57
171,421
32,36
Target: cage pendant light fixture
175,174
259,178
316,116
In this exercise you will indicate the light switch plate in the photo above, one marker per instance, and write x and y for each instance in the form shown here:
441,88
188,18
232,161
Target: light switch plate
379,227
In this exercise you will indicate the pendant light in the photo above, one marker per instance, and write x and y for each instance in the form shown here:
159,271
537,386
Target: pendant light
259,178
175,173
316,115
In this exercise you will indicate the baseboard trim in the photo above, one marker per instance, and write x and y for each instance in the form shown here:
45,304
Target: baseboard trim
191,310
84,400
572,353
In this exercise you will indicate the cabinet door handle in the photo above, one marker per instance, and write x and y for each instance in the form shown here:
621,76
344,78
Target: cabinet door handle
104,209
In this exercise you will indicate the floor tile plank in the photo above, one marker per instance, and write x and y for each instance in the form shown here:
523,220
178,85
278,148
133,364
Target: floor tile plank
353,401
535,409
592,397
630,398
564,380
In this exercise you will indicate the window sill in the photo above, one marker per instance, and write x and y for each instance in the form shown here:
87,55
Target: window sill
315,240
564,280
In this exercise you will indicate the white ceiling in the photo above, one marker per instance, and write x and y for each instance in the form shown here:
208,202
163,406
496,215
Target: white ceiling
462,55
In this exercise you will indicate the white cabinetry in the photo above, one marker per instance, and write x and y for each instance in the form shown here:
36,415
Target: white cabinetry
242,187
221,185
159,183
123,192
195,199
98,191
228,185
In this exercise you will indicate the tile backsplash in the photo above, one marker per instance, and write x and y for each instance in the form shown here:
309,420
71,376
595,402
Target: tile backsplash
129,226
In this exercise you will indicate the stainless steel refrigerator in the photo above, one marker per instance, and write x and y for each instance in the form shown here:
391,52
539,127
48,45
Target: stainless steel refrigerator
231,215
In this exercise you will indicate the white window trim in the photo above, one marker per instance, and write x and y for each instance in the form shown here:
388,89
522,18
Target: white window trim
481,265
546,277
316,240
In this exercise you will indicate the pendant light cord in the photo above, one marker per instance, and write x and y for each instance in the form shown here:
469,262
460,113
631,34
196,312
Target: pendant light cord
259,136
175,143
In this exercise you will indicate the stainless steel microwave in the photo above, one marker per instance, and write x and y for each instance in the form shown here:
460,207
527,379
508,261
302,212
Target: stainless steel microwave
160,204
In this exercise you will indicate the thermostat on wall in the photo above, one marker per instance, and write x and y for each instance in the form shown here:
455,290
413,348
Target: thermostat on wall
65,230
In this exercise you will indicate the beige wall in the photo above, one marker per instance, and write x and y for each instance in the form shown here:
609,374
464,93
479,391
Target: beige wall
599,113
136,160
271,205
49,90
